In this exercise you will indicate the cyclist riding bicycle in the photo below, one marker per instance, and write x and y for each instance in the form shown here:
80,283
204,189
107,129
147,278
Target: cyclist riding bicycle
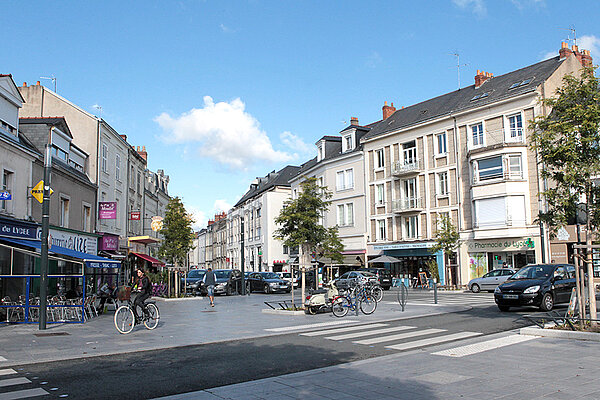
144,287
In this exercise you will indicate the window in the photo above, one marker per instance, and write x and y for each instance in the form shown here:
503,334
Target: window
381,234
490,168
515,124
345,179
285,249
507,167
442,147
490,212
258,212
87,218
409,192
514,167
7,186
345,214
321,149
380,194
409,151
118,167
411,227
139,180
347,143
442,189
379,159
477,135
132,178
60,153
64,212
445,215
104,158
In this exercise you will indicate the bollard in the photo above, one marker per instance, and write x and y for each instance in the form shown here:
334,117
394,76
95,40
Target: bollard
435,300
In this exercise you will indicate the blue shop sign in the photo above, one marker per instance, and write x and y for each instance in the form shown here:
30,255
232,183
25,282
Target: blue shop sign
4,195
17,230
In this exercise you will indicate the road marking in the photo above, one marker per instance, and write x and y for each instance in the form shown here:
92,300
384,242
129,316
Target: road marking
434,340
296,327
2,358
9,371
13,381
346,329
22,394
400,336
369,333
484,346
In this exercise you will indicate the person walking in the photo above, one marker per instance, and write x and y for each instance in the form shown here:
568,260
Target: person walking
209,283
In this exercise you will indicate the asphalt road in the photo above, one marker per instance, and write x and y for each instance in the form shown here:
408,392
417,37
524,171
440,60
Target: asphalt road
158,373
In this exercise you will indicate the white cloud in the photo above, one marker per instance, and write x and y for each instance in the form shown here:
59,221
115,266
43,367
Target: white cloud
522,4
224,132
200,219
226,29
591,43
295,143
477,6
220,206
548,55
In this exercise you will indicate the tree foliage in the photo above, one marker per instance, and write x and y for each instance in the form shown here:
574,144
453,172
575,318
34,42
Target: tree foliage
177,233
568,145
446,237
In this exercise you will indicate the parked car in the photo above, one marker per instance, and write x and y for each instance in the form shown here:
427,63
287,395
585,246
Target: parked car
287,276
349,278
193,282
268,282
383,275
228,281
490,280
540,285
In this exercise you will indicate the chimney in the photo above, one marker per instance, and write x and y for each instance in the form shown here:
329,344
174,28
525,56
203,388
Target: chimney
354,121
143,153
38,83
24,84
564,51
481,77
124,137
388,110
586,58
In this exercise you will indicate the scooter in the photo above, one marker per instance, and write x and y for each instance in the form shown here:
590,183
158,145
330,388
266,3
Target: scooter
320,299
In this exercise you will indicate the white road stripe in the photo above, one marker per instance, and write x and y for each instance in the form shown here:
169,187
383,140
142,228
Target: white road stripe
296,327
346,329
23,394
9,371
434,340
484,346
13,381
369,333
2,358
400,336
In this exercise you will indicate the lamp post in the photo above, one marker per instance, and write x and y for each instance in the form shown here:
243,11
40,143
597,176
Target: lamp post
45,229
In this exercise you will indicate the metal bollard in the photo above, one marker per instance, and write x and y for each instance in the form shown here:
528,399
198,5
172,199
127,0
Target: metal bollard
435,299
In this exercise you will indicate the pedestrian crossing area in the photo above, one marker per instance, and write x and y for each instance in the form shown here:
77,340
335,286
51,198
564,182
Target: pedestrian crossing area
463,299
14,386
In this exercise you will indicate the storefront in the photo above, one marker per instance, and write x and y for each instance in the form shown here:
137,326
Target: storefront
414,257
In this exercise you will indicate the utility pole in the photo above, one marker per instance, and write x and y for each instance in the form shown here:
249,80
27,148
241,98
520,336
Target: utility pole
45,229
242,263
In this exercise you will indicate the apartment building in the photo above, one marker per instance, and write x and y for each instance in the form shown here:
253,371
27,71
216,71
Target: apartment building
464,154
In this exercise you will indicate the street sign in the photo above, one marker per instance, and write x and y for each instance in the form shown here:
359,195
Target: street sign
4,195
38,191
135,216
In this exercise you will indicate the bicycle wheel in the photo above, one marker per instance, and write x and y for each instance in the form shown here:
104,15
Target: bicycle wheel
124,319
368,304
151,321
377,292
340,306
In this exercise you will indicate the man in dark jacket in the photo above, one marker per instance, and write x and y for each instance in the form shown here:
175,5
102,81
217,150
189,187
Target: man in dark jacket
209,282
145,291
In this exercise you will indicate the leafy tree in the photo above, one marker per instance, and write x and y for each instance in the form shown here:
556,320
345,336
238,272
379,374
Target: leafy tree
177,233
447,240
299,224
567,142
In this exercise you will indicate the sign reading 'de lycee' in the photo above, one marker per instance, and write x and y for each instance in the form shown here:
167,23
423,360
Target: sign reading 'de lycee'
17,230
107,210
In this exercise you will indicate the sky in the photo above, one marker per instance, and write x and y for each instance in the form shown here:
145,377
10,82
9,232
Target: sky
222,92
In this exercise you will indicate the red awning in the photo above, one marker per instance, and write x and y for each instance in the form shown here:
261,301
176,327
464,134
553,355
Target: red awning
148,258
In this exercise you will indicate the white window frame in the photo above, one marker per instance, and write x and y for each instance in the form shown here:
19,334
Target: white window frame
104,158
345,214
409,154
379,159
380,194
381,230
440,216
513,171
118,167
441,147
411,227
442,186
480,143
7,184
64,211
516,134
344,180
86,218
347,142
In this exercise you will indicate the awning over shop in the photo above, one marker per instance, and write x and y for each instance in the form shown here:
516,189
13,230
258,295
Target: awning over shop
143,239
146,257
89,259
356,260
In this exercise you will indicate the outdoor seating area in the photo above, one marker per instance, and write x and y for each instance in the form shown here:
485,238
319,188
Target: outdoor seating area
59,309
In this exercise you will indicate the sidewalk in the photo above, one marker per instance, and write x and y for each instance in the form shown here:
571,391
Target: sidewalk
531,368
189,321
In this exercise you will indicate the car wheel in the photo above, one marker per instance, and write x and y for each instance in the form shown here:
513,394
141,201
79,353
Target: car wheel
475,288
547,302
267,288
503,308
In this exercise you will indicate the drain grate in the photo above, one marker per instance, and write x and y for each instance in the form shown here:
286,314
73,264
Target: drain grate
51,334
209,311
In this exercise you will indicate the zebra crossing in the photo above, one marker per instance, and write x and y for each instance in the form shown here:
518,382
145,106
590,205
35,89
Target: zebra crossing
13,386
402,337
463,299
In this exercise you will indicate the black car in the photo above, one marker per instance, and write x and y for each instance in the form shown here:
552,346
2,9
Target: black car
383,275
268,282
540,285
193,282
228,281
350,278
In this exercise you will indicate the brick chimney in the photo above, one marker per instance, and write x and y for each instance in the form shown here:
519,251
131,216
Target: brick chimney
142,152
387,110
586,58
583,56
354,121
124,137
481,77
564,51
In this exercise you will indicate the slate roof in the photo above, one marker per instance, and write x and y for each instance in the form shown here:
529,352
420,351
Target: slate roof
497,88
59,122
279,178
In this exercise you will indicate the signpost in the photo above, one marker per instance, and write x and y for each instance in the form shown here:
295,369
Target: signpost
38,191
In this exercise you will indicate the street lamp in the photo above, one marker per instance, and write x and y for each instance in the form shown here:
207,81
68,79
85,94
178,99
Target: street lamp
45,230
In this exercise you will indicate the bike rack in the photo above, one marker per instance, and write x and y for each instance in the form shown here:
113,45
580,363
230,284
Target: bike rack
283,304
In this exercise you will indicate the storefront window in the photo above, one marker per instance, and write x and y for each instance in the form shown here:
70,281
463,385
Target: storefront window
4,260
24,264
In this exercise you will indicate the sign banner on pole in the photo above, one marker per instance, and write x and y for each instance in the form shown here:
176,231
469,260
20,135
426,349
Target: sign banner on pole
107,210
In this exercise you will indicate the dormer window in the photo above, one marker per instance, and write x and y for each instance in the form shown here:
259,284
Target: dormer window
321,151
347,142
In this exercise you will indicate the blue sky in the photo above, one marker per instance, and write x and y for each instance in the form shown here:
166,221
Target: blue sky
221,92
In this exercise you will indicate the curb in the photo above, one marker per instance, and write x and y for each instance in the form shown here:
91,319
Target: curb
589,336
177,298
282,312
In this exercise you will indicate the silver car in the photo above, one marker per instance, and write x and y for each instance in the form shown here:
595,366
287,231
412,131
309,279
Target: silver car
490,280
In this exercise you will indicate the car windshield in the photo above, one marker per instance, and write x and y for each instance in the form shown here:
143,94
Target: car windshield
368,274
286,275
534,272
196,274
270,275
222,274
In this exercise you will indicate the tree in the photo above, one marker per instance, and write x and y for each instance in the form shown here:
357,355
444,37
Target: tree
299,225
567,142
447,239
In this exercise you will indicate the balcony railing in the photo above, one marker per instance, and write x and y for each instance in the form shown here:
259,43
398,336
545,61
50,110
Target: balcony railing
410,204
404,168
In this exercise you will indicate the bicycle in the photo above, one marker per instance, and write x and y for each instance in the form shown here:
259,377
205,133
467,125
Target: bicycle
125,318
375,290
356,297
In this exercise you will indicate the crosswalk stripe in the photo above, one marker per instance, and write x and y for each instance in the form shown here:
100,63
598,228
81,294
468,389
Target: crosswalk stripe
2,358
346,329
369,333
22,394
434,340
13,381
484,346
296,327
399,336
9,371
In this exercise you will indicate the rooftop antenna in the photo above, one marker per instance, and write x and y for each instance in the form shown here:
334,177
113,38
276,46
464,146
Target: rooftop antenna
573,32
458,65
99,108
52,78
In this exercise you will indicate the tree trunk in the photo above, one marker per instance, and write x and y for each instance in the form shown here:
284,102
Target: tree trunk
304,262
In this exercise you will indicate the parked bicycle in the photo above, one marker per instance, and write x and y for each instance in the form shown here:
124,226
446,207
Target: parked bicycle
358,297
125,318
375,290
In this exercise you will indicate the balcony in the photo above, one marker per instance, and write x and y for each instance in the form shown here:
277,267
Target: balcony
406,168
411,204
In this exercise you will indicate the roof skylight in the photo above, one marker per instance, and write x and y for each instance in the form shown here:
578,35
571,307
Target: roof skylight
521,83
480,96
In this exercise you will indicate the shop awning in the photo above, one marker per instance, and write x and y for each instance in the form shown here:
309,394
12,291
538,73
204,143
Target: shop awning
146,257
89,259
355,260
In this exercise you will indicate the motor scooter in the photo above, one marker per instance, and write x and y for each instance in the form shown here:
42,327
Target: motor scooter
320,299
